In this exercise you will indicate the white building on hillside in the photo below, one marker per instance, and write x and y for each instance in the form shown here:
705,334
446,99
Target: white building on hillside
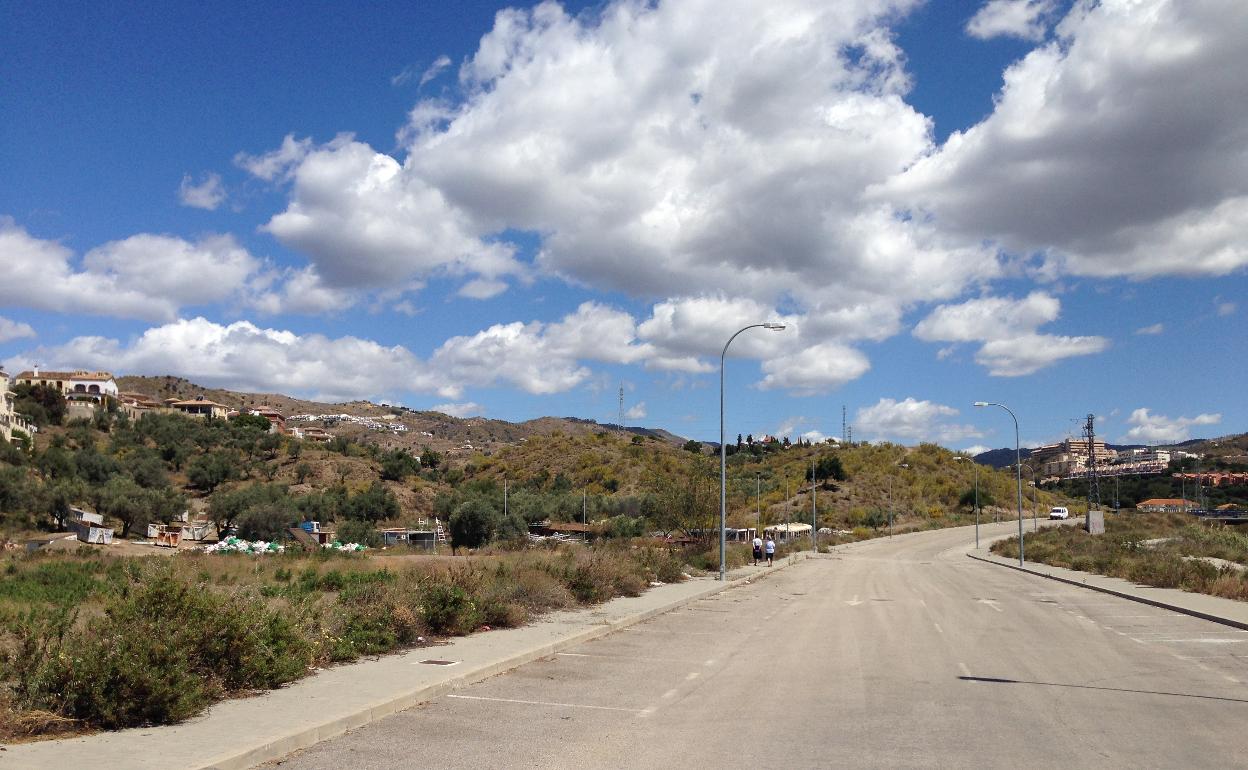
9,420
78,385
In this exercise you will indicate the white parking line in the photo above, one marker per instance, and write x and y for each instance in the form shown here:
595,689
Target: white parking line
546,703
939,630
1202,641
646,658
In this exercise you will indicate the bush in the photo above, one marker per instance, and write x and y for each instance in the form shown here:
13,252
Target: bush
361,532
448,609
162,650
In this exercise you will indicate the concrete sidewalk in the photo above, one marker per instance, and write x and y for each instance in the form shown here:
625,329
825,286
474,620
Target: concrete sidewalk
1225,611
245,732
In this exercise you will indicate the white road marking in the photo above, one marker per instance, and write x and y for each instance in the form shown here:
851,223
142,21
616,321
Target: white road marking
991,603
546,703
924,603
645,658
1202,641
939,630
692,675
710,662
854,602
670,693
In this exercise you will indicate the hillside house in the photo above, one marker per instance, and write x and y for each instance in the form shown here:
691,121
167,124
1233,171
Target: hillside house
9,419
135,405
79,385
277,423
200,407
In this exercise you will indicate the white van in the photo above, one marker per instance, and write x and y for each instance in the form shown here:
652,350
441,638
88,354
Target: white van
1059,512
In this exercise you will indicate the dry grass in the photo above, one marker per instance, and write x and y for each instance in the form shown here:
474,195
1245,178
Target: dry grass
1125,551
197,628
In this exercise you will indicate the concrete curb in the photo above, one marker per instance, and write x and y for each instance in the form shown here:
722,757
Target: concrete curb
1114,592
242,758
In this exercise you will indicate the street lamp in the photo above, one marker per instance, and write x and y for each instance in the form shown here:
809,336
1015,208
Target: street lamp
972,461
1018,465
723,451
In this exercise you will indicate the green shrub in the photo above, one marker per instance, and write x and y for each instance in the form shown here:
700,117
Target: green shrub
447,608
162,650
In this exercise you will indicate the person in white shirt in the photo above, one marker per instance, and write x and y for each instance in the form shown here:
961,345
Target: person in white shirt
771,550
758,549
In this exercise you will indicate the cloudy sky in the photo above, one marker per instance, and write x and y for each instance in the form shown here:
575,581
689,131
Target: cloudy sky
515,211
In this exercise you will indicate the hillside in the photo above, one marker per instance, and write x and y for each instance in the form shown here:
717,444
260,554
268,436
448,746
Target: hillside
773,484
1231,449
455,437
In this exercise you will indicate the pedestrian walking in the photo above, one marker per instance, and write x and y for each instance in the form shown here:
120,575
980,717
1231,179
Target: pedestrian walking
758,549
771,549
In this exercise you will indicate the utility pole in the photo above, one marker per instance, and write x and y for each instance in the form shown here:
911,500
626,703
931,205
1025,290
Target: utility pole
1094,523
814,516
758,504
504,498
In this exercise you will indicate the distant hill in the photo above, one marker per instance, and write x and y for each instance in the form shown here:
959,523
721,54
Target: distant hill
1231,448
453,436
1000,458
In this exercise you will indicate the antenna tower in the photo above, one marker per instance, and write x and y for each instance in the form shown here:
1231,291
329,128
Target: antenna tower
844,427
619,426
1094,482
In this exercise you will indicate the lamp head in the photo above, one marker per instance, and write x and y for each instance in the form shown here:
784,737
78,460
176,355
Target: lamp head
774,326
981,403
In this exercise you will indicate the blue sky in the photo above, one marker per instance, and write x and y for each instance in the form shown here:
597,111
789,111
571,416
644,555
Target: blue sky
516,210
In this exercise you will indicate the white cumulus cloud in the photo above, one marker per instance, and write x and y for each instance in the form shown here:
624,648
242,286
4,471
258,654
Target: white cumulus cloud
464,409
911,420
243,356
207,195
636,412
143,276
1115,150
1026,19
1158,429
1007,328
14,330
664,150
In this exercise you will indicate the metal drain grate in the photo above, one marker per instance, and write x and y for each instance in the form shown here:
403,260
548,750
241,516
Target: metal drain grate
439,662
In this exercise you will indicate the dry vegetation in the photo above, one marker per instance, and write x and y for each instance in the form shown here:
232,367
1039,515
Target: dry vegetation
93,642
1166,550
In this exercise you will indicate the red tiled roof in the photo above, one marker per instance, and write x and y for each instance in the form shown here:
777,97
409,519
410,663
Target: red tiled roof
78,375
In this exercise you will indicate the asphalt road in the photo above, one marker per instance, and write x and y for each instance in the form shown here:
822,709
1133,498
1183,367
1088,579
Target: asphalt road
901,653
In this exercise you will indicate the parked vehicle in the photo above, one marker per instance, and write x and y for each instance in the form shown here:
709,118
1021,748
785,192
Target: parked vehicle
1059,512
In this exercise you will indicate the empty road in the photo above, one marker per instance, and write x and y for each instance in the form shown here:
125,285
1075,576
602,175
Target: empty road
901,653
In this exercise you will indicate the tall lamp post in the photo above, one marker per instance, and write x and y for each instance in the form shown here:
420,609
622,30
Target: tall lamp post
1018,465
972,461
723,451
